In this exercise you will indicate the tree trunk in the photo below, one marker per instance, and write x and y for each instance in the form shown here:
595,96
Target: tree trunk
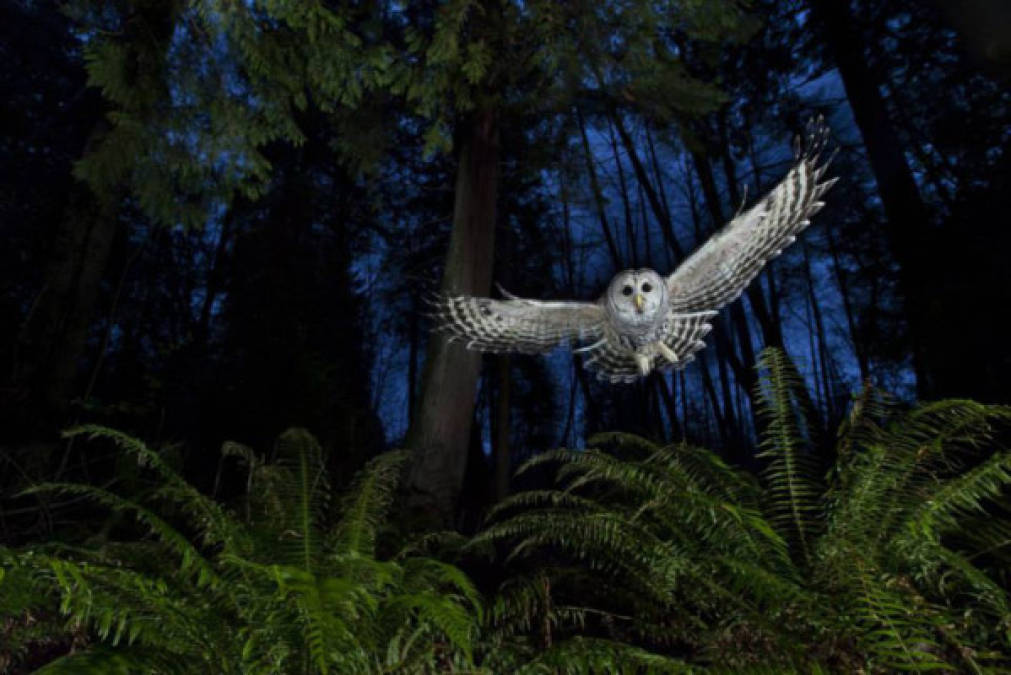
743,370
652,193
598,195
55,337
983,25
630,238
443,420
501,449
904,208
413,342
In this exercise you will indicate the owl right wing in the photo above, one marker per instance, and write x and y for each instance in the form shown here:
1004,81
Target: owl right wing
723,267
517,324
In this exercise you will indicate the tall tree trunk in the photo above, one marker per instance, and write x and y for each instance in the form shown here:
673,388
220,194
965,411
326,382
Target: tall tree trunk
598,194
707,380
983,25
443,420
626,204
669,398
652,193
55,337
743,370
501,449
413,343
842,281
904,208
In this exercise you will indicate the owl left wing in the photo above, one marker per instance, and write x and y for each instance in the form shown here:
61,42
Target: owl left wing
722,268
517,324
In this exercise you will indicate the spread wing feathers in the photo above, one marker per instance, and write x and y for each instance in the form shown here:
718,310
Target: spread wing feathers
722,268
517,324
611,361
684,333
686,337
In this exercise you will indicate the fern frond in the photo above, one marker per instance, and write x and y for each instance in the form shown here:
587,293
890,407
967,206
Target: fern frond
366,504
629,443
215,525
962,496
794,492
262,596
532,499
596,655
104,661
897,633
190,558
302,497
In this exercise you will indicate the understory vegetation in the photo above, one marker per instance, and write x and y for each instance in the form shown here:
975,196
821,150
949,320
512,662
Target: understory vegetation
885,548
220,227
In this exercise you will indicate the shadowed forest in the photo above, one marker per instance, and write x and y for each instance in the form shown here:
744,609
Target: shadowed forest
232,442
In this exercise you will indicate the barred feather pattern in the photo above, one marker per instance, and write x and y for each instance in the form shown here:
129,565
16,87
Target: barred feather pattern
613,360
719,271
620,346
518,324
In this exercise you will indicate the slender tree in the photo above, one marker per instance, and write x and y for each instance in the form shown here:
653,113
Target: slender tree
907,214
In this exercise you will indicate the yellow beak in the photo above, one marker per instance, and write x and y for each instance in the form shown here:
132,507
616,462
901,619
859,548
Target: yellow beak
640,302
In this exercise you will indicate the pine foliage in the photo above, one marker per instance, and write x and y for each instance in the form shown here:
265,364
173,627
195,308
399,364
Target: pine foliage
288,582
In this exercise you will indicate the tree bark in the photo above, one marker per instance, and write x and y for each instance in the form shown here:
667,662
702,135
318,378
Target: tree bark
598,195
905,211
501,448
743,368
652,194
443,420
630,238
55,337
983,25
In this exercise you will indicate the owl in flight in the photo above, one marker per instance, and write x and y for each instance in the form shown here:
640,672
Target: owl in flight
645,321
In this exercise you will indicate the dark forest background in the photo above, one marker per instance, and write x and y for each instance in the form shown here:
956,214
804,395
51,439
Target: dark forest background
220,220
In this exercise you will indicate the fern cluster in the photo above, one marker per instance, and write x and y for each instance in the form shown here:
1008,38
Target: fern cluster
889,560
289,582
887,551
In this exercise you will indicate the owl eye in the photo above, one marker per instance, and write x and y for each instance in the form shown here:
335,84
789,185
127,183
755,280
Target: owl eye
647,287
627,290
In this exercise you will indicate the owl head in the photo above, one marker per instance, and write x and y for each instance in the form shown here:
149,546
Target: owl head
637,296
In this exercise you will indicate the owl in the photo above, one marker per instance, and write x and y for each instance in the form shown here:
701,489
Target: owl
645,321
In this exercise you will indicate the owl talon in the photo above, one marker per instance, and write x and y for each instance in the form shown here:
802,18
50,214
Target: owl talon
667,352
642,361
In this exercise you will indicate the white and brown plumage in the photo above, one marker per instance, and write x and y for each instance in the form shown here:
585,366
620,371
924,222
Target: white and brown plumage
644,321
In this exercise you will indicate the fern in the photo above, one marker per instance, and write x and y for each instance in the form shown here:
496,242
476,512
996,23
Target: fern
870,568
367,503
594,655
295,586
664,560
792,488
